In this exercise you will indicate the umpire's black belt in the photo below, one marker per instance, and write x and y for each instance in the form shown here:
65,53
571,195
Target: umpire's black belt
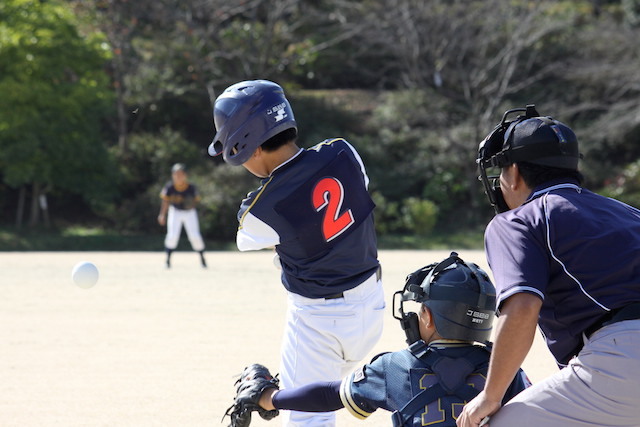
628,312
341,294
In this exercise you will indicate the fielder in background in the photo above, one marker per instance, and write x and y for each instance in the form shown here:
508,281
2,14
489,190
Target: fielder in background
178,209
314,208
444,367
566,259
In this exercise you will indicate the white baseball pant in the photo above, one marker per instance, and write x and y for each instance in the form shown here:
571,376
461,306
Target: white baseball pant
325,339
176,219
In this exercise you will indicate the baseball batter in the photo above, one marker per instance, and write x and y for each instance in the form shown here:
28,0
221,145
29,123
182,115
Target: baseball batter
314,208
178,209
426,384
566,259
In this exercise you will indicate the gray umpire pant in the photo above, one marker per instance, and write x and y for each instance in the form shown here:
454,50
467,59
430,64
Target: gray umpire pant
599,387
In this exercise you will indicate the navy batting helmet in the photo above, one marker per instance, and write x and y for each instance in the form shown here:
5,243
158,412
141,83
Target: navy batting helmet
246,115
459,295
528,138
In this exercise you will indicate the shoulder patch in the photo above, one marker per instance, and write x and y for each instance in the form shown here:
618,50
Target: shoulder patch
359,375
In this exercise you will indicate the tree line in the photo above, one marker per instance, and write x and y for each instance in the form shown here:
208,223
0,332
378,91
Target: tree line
99,97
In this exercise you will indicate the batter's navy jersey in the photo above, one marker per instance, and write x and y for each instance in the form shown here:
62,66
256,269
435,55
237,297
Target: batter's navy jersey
578,251
316,210
183,198
391,380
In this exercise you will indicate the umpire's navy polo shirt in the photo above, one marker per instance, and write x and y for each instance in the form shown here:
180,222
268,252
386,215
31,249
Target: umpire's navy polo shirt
578,251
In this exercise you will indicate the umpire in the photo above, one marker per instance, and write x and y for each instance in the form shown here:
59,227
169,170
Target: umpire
566,259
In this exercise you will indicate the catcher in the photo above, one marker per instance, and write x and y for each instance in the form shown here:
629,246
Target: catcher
444,367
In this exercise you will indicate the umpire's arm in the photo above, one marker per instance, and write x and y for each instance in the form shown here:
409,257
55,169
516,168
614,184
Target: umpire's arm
515,331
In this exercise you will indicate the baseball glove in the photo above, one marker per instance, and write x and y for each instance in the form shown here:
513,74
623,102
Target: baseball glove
253,381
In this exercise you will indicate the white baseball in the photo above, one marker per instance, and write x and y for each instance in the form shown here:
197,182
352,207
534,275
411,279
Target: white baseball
85,274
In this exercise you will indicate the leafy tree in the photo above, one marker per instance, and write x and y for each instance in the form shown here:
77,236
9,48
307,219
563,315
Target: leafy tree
143,168
625,186
54,96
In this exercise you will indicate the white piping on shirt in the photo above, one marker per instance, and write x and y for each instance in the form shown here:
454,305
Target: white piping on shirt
633,208
518,289
555,187
300,150
553,255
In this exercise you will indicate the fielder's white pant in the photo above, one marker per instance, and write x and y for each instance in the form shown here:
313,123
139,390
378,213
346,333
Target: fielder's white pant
600,387
325,339
176,218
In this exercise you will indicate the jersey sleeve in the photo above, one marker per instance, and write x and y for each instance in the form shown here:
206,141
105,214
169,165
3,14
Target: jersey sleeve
164,193
364,390
254,234
517,257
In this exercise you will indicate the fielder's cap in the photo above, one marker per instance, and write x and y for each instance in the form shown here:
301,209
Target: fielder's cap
178,167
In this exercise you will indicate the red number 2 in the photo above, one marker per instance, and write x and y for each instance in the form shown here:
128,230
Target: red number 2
329,193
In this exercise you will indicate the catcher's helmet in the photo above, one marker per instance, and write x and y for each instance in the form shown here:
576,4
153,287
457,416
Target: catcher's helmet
528,138
246,115
460,295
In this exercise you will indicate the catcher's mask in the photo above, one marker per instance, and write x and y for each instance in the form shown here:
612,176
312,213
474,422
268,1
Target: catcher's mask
246,115
527,138
460,296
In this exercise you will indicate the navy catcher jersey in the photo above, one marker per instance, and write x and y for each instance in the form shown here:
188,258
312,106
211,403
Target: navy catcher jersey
184,198
578,251
316,210
393,379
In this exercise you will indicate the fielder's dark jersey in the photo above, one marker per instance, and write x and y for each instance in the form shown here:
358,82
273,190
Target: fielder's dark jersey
391,380
316,210
578,251
184,198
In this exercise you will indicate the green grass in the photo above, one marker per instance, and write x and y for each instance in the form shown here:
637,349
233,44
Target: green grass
463,239
96,239
90,239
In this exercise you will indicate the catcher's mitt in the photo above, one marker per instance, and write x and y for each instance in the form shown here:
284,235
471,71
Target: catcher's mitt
253,381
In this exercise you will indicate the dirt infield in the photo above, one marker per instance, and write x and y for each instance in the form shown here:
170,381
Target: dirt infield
154,347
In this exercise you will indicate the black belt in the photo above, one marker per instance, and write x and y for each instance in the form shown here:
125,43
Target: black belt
341,294
628,312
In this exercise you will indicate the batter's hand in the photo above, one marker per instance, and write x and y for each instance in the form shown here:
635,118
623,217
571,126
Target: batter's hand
162,219
475,411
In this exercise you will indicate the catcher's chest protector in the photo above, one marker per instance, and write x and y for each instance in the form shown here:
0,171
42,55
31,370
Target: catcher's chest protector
440,385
